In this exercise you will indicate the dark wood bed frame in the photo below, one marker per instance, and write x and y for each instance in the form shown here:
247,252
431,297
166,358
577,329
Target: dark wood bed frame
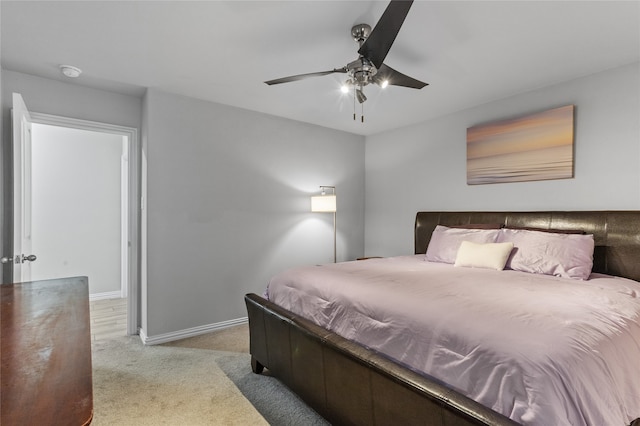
351,385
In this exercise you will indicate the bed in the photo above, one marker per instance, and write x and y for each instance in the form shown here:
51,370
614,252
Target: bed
349,382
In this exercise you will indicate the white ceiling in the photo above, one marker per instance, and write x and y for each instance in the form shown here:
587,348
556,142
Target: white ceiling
470,52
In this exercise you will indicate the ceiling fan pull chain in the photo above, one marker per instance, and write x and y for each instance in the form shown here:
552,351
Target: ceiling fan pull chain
362,113
354,104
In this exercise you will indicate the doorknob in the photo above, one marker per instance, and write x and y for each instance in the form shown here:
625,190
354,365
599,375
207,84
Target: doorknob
19,258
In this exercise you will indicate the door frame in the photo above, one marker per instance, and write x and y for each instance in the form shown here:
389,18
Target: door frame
131,261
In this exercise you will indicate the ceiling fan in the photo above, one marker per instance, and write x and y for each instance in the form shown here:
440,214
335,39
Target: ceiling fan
374,47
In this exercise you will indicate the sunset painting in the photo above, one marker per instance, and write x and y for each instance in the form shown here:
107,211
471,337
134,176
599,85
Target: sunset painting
536,147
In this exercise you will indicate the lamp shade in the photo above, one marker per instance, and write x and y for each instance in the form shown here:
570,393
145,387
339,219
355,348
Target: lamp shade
323,203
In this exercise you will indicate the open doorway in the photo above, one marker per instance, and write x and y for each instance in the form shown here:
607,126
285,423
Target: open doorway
84,211
77,204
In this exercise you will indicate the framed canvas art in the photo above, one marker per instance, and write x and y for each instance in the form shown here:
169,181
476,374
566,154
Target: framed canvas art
534,147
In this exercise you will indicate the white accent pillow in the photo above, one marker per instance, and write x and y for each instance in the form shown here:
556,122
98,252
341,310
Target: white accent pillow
488,256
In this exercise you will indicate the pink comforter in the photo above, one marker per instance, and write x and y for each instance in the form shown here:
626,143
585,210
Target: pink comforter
541,350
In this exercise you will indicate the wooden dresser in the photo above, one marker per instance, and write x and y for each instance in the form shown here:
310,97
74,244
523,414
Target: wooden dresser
45,353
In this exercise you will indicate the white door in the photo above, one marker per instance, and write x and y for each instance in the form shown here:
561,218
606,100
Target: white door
21,257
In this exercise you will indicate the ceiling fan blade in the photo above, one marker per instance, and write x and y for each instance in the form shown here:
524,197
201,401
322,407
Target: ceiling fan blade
303,76
377,45
397,78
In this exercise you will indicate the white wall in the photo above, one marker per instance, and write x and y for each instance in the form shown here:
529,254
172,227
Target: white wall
76,193
423,167
229,205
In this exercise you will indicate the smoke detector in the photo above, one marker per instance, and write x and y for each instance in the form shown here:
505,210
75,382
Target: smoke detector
70,71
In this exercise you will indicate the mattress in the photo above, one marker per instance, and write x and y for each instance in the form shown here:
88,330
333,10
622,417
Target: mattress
539,349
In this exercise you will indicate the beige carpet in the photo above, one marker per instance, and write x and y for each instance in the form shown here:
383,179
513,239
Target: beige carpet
204,380
167,384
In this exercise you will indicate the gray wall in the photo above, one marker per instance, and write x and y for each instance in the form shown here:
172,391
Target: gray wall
69,100
229,192
423,167
229,205
228,189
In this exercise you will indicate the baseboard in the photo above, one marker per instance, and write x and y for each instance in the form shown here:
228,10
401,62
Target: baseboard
142,334
106,295
189,332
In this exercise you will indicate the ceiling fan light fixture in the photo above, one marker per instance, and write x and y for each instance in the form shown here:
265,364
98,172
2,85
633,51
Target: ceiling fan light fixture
345,87
360,95
384,83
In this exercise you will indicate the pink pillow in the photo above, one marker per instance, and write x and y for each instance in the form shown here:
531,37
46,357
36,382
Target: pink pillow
562,255
445,242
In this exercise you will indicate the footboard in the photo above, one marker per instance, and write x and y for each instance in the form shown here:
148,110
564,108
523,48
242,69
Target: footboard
347,383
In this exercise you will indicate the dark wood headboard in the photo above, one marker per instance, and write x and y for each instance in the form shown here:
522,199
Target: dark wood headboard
616,233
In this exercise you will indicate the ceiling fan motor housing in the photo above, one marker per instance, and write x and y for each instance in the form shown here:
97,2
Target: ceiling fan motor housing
361,71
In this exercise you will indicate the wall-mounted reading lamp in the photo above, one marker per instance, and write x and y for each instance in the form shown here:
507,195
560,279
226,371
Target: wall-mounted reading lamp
326,203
